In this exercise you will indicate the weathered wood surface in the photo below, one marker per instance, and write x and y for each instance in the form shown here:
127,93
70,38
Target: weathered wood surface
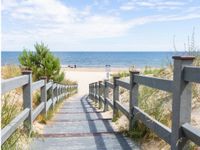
181,89
10,84
38,84
192,74
80,126
28,115
38,110
13,125
161,84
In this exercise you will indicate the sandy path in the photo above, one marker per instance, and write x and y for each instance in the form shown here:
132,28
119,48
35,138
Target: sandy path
84,79
85,76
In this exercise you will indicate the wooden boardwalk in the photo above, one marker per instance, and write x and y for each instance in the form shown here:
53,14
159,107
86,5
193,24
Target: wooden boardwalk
79,126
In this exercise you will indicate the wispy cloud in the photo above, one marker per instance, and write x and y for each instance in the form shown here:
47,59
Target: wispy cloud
152,4
55,22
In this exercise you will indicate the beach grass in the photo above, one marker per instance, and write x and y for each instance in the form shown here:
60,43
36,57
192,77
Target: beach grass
10,71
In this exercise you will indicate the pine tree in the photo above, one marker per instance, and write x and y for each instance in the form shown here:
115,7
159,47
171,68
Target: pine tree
42,63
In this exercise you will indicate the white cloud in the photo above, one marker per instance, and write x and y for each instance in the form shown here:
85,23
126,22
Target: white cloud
56,23
152,4
128,6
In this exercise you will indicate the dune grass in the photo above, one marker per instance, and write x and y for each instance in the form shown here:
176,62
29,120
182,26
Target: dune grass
9,109
10,71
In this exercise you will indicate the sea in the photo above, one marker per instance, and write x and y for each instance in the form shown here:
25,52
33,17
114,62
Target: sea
101,59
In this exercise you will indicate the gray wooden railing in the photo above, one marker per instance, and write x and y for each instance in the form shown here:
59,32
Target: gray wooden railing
28,115
184,74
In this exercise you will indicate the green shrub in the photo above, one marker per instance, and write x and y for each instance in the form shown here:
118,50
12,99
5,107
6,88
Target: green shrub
42,62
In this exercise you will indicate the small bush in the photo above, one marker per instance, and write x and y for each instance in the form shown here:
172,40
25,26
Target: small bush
42,62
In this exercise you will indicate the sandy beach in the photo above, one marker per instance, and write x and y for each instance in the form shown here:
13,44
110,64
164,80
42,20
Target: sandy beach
85,76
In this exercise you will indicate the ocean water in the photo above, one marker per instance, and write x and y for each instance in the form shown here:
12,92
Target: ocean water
100,59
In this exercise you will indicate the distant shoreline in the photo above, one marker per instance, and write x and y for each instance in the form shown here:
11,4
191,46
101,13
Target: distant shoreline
100,59
95,69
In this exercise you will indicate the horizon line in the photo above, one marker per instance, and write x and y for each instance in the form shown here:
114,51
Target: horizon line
97,51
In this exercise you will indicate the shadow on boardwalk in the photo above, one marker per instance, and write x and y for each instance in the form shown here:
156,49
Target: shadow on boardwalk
79,126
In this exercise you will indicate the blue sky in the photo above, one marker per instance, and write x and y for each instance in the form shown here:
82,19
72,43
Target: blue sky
99,25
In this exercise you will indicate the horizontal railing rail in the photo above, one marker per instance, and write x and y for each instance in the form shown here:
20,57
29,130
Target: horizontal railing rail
181,89
161,84
191,74
28,114
13,83
123,84
38,84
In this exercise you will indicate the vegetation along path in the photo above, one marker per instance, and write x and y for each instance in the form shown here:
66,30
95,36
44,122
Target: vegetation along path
79,126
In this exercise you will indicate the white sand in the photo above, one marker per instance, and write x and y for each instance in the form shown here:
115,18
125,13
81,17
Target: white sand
85,76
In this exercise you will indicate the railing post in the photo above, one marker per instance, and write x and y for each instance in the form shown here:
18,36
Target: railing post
181,105
57,92
100,102
62,90
89,91
92,91
44,95
27,99
105,93
52,95
133,98
96,93
93,97
67,90
115,97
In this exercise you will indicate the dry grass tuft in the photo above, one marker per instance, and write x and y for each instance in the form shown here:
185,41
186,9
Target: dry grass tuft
10,71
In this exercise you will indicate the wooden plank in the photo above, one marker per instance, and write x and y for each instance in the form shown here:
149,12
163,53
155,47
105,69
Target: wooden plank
7,131
54,101
97,96
181,102
101,84
161,130
115,96
161,84
13,83
38,110
54,85
123,84
38,84
27,100
49,102
123,109
133,98
191,133
49,84
192,74
109,84
109,102
102,98
105,94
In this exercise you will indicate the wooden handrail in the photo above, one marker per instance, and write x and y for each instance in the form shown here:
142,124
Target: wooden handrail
180,87
28,115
